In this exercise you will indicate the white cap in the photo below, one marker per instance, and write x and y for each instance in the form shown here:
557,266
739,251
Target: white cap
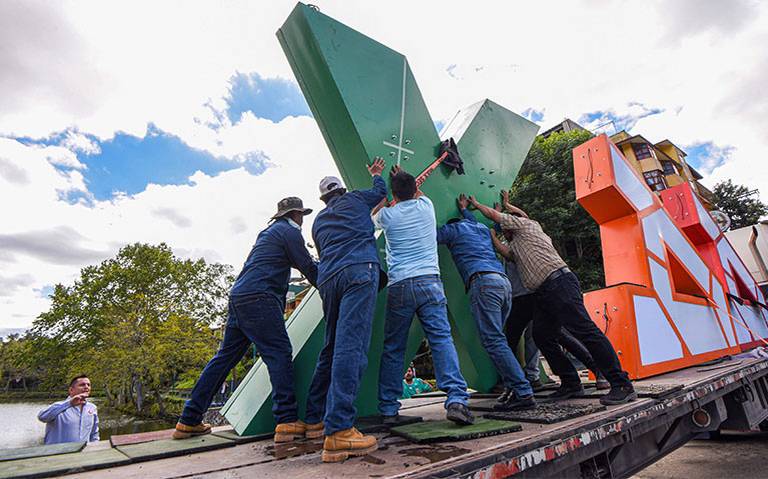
328,184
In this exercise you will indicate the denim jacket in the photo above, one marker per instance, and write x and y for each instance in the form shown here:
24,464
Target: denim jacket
469,242
278,248
343,230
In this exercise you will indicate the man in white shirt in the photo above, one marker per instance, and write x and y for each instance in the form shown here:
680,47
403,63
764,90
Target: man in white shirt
415,289
73,419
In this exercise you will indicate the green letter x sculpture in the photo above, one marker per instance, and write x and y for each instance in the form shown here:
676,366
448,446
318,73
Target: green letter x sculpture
366,102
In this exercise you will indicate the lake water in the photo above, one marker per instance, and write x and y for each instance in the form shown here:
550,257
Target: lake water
26,430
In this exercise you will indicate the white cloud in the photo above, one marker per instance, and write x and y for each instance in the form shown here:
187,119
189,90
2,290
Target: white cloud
78,142
48,240
84,68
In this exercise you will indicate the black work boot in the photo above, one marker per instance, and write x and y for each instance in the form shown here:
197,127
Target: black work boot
504,396
515,403
601,383
619,395
390,420
566,391
460,414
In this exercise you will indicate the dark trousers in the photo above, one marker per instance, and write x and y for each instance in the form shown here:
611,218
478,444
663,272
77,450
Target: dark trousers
562,304
258,319
349,298
524,311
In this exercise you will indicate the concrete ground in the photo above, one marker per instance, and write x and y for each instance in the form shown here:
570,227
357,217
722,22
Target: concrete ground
735,455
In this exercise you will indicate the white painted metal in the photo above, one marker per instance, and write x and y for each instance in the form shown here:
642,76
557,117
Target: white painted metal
698,325
628,182
657,340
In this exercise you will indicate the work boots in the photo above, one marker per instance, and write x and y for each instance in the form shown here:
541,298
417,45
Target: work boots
183,431
566,391
290,431
619,395
340,445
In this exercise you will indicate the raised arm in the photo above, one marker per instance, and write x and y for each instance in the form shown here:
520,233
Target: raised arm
373,196
51,412
509,207
487,211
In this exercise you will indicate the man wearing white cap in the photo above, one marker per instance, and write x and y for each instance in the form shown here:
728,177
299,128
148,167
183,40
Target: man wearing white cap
348,281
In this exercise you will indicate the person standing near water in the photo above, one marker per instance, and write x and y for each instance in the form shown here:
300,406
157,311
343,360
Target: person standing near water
73,419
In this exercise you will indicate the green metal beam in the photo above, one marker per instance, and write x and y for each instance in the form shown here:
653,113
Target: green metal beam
367,103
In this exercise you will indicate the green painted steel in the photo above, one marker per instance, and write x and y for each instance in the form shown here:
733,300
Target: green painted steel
367,103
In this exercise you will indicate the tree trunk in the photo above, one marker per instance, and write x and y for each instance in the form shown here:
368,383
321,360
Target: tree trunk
160,403
139,396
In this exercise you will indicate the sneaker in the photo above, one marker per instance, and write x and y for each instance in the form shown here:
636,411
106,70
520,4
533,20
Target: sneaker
390,420
183,431
460,414
516,404
340,445
537,385
566,391
619,395
504,396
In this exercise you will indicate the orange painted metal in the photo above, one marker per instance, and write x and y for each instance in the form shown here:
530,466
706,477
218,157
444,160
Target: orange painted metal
640,235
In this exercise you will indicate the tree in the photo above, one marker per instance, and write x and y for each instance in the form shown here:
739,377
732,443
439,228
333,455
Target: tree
13,361
545,189
134,323
740,203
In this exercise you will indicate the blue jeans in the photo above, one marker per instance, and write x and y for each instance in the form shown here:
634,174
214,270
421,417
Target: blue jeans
258,319
349,298
424,297
491,297
531,367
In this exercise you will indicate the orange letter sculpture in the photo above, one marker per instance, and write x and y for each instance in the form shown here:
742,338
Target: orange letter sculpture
674,284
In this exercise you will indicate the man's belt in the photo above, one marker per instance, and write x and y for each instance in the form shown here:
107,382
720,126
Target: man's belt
481,273
557,273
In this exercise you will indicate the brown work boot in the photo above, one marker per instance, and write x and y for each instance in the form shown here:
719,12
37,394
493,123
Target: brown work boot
315,430
183,431
290,431
350,442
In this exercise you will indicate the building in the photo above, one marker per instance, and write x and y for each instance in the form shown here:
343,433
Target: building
563,127
751,244
662,164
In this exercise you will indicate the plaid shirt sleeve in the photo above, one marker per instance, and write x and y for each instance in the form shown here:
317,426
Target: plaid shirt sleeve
512,222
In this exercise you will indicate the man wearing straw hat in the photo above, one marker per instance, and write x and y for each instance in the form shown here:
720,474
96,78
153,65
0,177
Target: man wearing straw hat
256,306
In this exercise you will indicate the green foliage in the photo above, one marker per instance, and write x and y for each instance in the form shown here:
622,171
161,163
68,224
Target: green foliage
14,361
134,323
740,203
545,189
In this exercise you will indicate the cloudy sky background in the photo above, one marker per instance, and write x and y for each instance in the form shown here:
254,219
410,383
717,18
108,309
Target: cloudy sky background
182,122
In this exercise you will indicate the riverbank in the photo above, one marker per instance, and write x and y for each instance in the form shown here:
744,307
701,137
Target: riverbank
26,430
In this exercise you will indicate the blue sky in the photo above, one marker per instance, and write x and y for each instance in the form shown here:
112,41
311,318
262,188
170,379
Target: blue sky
270,98
127,164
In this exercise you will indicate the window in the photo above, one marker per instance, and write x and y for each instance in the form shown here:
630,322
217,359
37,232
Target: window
655,180
669,167
642,150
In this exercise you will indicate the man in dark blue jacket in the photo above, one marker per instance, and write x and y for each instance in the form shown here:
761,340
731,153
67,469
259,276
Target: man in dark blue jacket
348,279
256,309
469,242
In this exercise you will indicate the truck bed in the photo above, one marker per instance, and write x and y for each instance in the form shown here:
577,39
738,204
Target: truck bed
615,442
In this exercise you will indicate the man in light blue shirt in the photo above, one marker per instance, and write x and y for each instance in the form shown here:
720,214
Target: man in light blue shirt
74,419
415,289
